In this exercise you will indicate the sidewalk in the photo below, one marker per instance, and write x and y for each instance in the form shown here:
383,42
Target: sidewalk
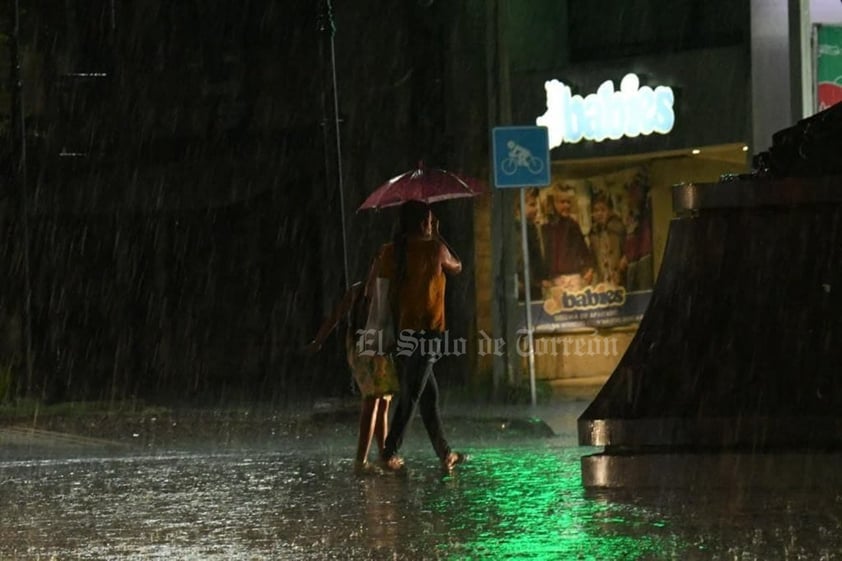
81,427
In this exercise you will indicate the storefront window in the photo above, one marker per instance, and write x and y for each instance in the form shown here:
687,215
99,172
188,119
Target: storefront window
589,244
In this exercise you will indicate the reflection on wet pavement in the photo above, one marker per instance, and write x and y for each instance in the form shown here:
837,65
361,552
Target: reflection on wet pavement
520,497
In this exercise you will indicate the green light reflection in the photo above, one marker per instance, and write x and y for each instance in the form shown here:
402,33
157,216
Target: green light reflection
519,503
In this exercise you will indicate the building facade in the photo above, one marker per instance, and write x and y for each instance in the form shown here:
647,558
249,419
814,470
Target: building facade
637,97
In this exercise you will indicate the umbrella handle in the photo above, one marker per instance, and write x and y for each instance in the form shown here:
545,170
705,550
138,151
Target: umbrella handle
438,236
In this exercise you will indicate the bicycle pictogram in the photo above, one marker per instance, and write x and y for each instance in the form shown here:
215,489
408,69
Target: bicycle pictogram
520,157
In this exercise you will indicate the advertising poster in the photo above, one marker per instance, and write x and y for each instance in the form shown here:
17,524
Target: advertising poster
828,69
590,252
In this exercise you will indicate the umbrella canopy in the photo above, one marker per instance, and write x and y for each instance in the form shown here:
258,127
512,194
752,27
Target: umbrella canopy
429,185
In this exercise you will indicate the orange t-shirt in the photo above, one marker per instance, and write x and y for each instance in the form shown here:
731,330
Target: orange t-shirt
421,294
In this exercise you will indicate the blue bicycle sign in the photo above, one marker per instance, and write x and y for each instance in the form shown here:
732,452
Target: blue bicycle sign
521,156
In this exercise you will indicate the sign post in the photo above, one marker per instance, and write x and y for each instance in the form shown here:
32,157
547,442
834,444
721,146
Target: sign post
522,159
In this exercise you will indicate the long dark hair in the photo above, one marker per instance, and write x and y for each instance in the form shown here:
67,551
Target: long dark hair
412,214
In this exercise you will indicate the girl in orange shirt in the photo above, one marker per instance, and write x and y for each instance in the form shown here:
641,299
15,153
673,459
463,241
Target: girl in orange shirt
415,264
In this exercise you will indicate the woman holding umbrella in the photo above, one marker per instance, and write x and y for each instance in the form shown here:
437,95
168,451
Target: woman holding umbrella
415,264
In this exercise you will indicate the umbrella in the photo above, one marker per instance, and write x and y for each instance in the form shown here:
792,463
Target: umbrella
429,185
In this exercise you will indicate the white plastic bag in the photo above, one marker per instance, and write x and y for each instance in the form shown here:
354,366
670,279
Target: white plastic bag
380,326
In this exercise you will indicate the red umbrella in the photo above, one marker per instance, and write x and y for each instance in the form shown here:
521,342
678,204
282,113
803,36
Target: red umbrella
429,185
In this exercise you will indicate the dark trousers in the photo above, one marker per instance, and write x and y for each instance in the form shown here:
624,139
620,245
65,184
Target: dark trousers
418,388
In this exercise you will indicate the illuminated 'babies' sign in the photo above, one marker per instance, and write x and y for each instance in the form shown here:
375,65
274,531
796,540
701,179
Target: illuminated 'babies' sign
629,111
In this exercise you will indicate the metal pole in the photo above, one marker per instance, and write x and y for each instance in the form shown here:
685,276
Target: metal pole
329,28
527,297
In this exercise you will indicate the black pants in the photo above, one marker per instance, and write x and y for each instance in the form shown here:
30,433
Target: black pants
418,388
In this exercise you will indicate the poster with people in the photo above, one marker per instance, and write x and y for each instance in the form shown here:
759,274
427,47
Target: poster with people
590,251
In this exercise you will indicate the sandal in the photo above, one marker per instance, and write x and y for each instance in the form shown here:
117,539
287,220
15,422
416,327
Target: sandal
393,463
453,459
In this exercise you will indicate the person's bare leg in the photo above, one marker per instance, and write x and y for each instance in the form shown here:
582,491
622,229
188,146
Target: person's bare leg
368,415
381,431
381,426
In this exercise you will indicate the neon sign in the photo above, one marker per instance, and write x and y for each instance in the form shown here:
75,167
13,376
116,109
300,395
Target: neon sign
607,114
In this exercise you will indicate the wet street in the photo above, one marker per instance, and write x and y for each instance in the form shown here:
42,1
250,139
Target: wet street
296,497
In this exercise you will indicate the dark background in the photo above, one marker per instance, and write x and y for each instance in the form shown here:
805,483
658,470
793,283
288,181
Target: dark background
178,220
173,229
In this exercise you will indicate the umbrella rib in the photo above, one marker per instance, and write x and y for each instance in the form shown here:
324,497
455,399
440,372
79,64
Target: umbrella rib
459,180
